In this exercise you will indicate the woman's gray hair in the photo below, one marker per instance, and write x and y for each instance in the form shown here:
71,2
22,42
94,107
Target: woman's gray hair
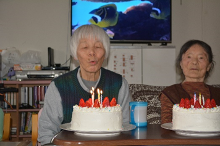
89,31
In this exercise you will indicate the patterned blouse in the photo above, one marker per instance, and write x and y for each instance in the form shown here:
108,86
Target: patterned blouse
190,88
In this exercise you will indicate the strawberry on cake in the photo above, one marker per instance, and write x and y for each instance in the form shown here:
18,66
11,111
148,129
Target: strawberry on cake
196,116
97,117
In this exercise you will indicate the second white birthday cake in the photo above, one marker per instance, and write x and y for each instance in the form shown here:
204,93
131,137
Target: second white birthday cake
205,118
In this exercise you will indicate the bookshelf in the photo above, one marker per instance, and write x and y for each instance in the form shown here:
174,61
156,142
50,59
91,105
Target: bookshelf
16,112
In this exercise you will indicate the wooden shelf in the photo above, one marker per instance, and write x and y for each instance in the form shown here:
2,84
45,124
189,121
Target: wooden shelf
16,113
9,110
15,136
29,110
27,82
25,135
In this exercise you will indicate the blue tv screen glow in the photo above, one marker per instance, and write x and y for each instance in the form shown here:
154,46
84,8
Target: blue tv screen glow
126,21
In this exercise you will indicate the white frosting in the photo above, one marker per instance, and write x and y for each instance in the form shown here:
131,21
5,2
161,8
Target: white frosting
96,119
196,119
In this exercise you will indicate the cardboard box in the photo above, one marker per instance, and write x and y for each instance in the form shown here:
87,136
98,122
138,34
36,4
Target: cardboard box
27,66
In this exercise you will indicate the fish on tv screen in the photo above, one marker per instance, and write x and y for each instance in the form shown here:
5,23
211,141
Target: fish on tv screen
126,21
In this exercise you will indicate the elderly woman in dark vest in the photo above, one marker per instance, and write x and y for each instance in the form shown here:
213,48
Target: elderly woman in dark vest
90,46
195,61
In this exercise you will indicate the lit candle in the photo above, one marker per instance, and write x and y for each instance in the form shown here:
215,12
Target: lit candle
203,100
101,98
200,99
98,95
93,96
194,98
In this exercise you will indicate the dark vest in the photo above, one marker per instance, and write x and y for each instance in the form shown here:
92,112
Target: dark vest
71,92
176,92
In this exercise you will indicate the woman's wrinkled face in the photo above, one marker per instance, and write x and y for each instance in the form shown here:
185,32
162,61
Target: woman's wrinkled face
195,64
91,54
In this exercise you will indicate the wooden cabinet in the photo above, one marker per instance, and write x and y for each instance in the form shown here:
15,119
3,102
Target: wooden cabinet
16,113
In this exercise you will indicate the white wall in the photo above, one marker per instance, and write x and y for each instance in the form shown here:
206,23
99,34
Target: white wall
39,24
36,25
198,19
159,66
211,33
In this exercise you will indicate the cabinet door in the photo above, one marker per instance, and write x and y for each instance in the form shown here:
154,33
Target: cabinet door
159,66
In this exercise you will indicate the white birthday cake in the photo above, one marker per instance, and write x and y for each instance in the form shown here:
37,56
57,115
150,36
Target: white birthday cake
196,118
96,118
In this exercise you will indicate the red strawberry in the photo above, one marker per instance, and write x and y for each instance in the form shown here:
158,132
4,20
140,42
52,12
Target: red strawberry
187,103
96,104
192,101
105,102
182,102
82,103
89,102
207,103
197,104
113,102
213,103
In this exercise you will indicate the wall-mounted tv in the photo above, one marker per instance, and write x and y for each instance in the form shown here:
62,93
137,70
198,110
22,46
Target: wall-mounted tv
126,21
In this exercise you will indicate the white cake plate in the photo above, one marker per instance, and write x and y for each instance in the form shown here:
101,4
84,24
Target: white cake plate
125,127
169,126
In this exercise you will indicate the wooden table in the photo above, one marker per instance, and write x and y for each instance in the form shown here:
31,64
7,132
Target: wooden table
20,143
150,135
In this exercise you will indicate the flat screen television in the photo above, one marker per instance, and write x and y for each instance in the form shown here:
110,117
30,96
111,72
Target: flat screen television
126,21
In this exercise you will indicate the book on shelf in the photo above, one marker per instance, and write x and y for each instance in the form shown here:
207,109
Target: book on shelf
3,104
38,96
26,122
42,93
15,99
22,98
8,98
13,130
11,97
33,96
30,99
25,94
23,115
30,125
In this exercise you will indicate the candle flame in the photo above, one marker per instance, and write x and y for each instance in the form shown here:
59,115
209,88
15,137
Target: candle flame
98,91
92,89
101,91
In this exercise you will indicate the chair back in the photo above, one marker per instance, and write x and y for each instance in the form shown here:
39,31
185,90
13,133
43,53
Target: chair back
150,94
1,123
5,124
35,118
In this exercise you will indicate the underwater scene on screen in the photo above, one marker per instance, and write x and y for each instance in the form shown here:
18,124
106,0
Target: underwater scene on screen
127,20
